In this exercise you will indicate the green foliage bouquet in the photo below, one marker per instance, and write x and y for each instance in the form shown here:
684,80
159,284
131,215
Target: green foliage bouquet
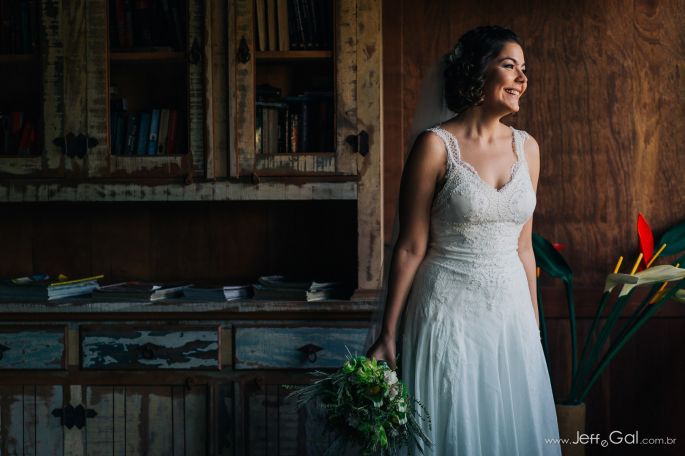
367,405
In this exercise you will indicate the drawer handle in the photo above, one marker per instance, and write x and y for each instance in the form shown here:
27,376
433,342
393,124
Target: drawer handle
310,351
148,350
71,416
3,349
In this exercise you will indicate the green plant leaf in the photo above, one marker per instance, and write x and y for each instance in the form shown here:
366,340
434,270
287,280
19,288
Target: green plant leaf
674,238
550,260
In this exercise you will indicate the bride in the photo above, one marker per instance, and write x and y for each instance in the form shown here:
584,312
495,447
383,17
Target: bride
463,262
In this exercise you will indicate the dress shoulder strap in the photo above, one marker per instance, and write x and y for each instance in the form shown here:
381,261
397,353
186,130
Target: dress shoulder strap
452,148
519,139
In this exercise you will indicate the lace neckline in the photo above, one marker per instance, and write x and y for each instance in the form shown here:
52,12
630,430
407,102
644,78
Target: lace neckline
474,172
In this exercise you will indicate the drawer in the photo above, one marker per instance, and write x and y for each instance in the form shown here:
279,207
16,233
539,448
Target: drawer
24,347
276,347
143,348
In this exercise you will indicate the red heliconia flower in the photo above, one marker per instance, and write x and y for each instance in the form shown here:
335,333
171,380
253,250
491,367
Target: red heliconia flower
646,238
559,247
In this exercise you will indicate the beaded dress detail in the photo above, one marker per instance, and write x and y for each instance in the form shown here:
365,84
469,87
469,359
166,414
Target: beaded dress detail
469,345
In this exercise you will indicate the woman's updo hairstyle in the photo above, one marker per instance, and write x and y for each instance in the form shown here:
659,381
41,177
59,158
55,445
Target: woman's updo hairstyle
466,64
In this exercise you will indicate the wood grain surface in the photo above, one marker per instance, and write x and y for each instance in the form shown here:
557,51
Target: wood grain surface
604,101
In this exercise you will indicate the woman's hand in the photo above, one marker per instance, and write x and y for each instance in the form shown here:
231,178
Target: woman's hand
383,349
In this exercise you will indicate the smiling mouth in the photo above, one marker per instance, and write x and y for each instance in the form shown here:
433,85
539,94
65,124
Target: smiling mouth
514,92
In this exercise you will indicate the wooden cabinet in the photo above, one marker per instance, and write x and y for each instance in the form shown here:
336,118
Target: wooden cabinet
146,419
334,69
27,425
80,74
98,420
273,424
175,382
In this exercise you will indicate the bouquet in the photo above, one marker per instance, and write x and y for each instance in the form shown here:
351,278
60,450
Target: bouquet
366,404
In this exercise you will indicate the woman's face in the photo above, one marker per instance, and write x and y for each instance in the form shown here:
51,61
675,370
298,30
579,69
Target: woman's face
506,80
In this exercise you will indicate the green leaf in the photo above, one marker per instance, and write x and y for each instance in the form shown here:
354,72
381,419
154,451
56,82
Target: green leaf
550,260
674,238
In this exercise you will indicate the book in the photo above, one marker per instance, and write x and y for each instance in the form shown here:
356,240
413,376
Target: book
154,132
218,293
171,134
299,24
262,41
271,25
136,290
282,287
39,287
118,140
163,130
283,30
131,133
143,133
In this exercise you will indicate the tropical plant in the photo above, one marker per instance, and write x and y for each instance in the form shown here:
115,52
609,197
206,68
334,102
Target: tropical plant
586,370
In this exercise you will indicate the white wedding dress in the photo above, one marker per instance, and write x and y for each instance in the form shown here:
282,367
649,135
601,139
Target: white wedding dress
469,346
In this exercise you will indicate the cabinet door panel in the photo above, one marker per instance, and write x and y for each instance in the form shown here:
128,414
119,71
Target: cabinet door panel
274,424
342,161
146,419
27,426
49,94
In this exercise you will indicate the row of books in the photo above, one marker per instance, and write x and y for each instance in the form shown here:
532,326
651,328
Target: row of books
283,25
145,133
302,123
40,287
147,24
18,134
280,287
19,26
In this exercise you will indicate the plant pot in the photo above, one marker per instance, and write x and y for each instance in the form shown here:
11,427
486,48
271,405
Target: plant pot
571,419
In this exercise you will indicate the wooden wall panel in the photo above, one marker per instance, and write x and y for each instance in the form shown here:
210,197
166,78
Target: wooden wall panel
604,101
196,241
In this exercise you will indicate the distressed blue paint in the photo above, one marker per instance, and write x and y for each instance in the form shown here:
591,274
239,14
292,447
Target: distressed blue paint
32,349
113,349
259,348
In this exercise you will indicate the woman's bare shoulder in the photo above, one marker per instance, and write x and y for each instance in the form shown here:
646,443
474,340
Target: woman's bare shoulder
531,146
429,150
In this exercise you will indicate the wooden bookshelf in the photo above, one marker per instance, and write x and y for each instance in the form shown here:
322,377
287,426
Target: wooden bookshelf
295,85
21,81
19,59
293,55
148,75
147,56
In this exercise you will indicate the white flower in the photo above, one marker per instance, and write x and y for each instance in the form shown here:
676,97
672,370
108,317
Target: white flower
401,406
661,273
390,377
352,421
393,391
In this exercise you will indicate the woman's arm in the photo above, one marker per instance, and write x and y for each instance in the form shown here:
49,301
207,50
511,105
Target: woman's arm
525,244
425,167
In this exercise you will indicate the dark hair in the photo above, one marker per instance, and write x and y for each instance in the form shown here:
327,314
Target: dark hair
465,65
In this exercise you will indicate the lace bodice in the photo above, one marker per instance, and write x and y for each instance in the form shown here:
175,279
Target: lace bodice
471,218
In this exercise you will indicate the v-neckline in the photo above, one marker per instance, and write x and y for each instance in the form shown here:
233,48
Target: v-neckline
473,170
